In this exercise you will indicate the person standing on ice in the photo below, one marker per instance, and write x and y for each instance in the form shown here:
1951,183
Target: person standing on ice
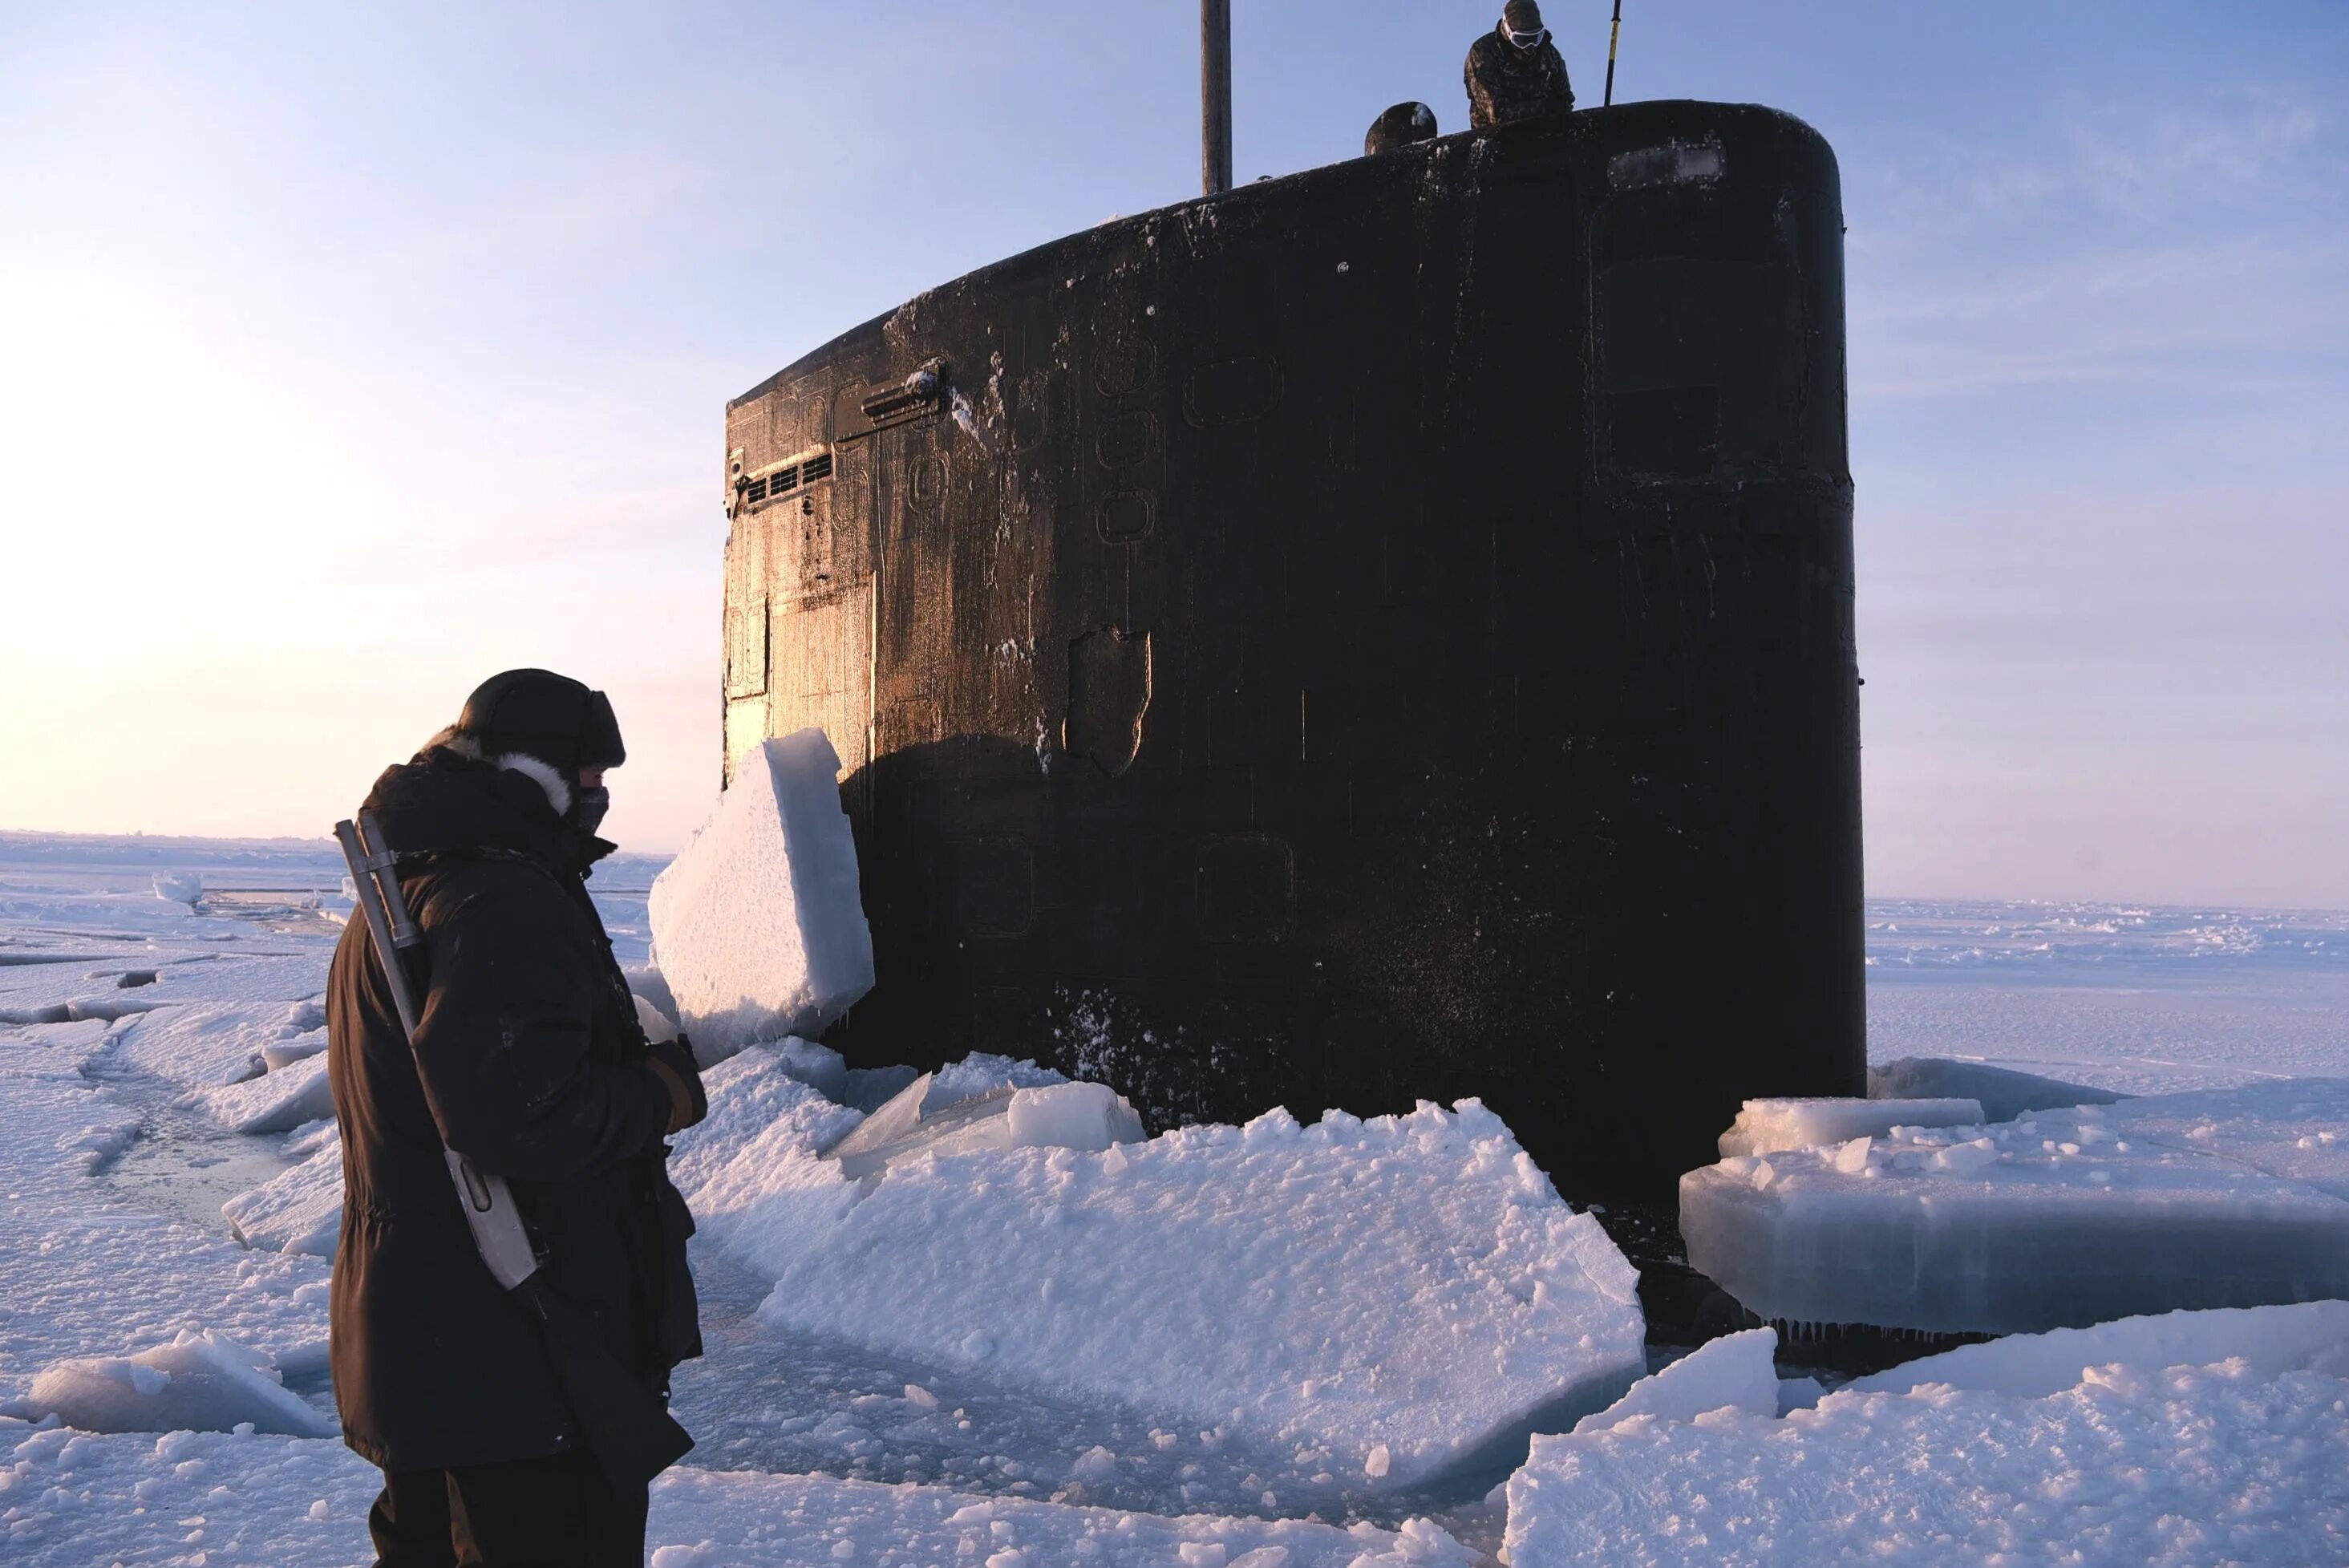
530,1060
1514,72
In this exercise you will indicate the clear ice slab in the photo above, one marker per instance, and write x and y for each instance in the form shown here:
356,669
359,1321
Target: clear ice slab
2055,1220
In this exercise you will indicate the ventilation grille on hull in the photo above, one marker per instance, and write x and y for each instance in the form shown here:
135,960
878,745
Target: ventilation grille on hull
776,484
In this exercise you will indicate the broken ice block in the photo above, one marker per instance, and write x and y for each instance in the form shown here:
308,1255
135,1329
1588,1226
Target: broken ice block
1085,1116
274,1103
1765,1126
758,926
1409,1292
1737,1371
201,1382
298,1211
1089,1117
180,888
2059,1218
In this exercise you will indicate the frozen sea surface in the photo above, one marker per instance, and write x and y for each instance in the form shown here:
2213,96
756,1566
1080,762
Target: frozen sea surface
2147,1001
114,1241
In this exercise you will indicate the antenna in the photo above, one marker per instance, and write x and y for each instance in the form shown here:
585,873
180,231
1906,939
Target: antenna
1614,36
1216,95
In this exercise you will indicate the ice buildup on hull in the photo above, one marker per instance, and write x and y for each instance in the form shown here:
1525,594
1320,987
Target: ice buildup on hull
2057,1219
758,926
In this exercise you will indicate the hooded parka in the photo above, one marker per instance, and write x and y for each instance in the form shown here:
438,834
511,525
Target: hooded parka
533,1066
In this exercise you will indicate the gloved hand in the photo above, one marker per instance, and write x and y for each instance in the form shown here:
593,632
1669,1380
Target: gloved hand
672,1063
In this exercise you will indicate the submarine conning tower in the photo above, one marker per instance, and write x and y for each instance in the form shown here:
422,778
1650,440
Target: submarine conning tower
1377,634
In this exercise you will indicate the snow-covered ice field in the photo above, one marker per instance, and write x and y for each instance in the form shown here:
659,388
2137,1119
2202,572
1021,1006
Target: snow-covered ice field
2144,1000
136,1033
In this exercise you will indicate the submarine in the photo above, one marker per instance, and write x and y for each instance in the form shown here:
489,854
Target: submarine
1377,634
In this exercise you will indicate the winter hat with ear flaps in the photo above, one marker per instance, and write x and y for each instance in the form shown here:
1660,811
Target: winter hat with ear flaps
548,716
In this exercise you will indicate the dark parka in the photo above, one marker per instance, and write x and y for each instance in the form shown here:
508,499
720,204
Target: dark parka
1505,82
534,1068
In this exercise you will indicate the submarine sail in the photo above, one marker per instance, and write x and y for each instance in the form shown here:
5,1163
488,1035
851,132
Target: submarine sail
1377,634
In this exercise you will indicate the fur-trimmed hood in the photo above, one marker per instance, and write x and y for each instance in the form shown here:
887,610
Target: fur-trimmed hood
450,797
538,771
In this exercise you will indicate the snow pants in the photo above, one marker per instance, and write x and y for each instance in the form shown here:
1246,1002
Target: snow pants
557,1513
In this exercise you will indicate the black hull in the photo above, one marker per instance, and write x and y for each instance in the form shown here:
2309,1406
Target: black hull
1380,635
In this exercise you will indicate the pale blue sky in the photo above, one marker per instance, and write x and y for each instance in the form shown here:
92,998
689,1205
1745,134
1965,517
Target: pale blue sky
346,358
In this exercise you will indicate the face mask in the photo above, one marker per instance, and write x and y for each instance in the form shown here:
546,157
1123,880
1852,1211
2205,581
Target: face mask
1532,40
588,806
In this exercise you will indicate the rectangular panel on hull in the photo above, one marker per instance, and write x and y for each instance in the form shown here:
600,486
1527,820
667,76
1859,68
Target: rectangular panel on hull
823,674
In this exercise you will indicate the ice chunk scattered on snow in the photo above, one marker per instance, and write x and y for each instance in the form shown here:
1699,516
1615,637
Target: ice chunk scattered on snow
893,1121
201,1382
279,1054
2002,1092
1087,1117
1737,1371
298,1211
1765,1126
758,927
179,887
980,1072
2096,1448
2059,1218
1319,1283
274,1102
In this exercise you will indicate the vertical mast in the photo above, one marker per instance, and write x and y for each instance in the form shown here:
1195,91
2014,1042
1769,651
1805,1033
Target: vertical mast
1216,95
1614,37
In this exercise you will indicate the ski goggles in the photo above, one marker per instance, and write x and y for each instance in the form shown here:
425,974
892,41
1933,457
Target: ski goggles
1532,40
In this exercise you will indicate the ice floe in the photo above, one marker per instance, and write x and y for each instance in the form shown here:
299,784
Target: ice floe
2057,1219
1402,1291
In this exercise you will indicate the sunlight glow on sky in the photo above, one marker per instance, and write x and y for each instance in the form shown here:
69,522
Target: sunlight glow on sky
344,359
